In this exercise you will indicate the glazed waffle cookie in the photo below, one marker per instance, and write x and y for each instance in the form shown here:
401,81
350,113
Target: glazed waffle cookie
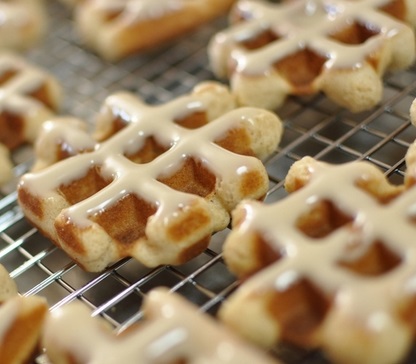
21,322
118,28
28,96
337,253
23,23
159,183
302,47
173,332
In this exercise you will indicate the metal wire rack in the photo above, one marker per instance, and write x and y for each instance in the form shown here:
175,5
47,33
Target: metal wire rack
313,126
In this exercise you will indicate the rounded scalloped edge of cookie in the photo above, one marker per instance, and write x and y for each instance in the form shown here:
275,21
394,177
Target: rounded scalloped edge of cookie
413,112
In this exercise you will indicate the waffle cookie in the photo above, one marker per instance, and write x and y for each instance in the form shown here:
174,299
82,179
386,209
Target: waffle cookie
23,23
28,96
339,47
331,266
118,28
161,180
173,331
21,322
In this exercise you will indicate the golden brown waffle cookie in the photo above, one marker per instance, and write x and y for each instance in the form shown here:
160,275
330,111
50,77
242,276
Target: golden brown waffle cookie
118,28
335,263
21,322
23,23
173,332
159,183
28,96
302,47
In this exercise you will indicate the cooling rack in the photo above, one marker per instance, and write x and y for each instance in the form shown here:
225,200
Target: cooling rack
313,126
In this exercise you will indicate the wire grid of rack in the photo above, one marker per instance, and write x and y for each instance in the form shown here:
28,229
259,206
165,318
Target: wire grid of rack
313,126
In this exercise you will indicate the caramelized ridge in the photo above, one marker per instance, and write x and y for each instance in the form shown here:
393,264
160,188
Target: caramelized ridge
7,75
374,189
67,233
260,40
111,15
192,220
322,219
395,8
192,177
11,126
150,150
236,140
85,187
125,221
301,69
193,121
264,254
356,33
180,361
117,124
408,313
251,182
377,260
31,202
299,309
64,151
42,95
194,250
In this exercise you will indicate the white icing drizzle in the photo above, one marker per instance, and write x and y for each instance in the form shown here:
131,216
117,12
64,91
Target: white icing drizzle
366,298
140,179
70,131
61,133
173,329
304,24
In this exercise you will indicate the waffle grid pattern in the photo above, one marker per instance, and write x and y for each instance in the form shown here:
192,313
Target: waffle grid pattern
313,126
